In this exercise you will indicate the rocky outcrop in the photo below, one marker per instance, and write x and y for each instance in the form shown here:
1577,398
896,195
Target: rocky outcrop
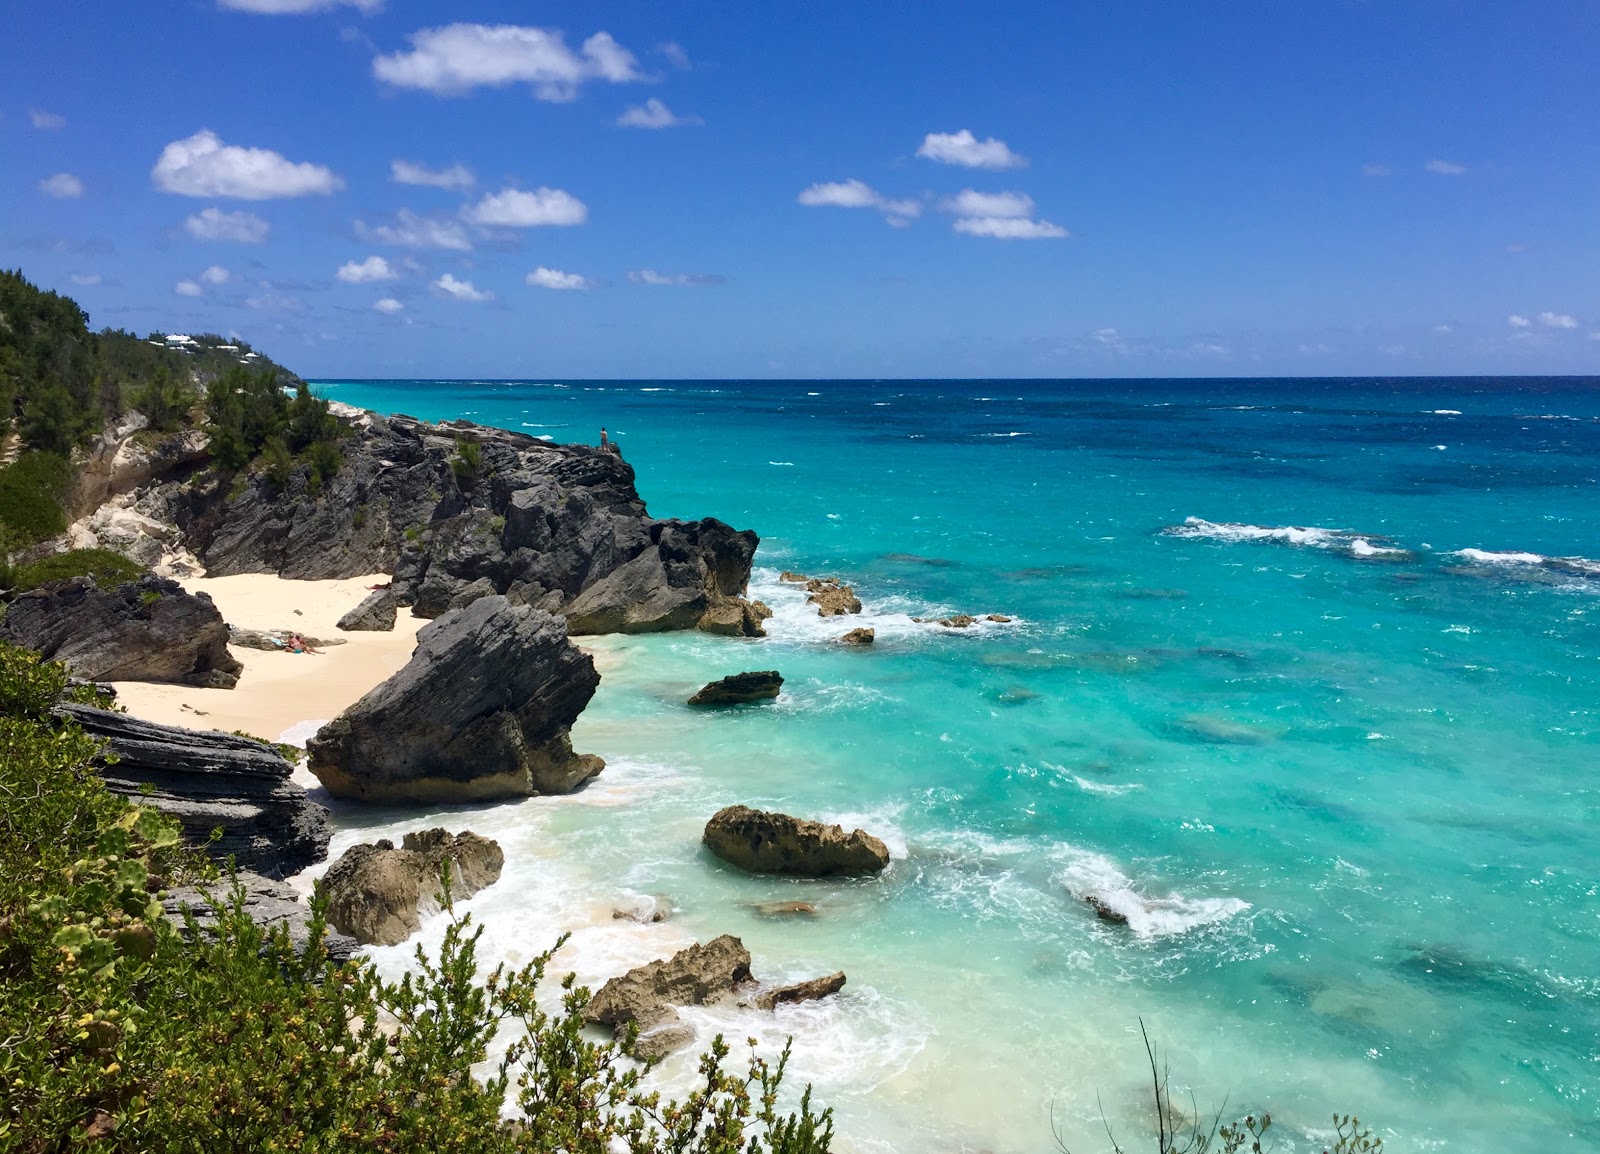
145,630
1105,912
120,526
862,636
377,894
832,597
275,640
702,975
959,621
376,614
268,903
481,711
739,688
777,843
127,454
210,781
560,527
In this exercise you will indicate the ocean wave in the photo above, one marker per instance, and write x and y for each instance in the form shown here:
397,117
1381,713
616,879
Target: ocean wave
1086,874
1581,567
1104,788
1364,546
1444,412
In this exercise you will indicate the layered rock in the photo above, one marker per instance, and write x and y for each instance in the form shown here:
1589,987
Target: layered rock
701,975
267,902
144,630
378,894
209,781
127,455
738,688
832,597
777,843
376,613
560,527
482,711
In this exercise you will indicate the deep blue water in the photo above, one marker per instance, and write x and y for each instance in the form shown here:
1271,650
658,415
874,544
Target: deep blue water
1302,678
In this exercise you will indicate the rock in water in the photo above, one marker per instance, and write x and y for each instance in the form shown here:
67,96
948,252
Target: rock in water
959,621
377,894
209,780
865,635
739,688
801,991
482,711
267,902
777,843
832,597
144,630
376,613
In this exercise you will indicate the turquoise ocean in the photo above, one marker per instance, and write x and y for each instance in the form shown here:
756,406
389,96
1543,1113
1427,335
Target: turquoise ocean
1302,677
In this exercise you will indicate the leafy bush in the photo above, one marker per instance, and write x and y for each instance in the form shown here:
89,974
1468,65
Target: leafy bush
467,460
164,399
126,1032
31,492
107,569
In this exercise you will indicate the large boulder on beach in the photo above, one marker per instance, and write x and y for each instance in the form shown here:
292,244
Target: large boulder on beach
144,630
765,842
376,613
377,893
482,711
213,781
739,688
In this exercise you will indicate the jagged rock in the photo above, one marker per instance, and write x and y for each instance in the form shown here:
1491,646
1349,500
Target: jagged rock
831,597
144,630
266,902
127,455
959,621
377,894
561,524
862,636
777,843
1000,617
376,613
209,780
738,688
481,711
701,975
738,618
790,577
275,640
783,909
801,991
1104,912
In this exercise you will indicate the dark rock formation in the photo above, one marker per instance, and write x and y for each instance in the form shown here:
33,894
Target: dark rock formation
209,780
375,614
865,635
482,711
739,688
377,894
144,630
718,971
274,640
832,597
1000,617
1104,912
560,527
268,903
959,621
777,843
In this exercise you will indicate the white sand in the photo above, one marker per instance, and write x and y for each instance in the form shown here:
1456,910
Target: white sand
279,690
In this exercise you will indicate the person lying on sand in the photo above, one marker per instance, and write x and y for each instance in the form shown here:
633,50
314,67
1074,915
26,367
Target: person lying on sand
297,644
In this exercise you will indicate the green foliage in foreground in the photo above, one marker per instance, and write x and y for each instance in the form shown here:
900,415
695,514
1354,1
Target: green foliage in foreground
31,491
107,568
120,1035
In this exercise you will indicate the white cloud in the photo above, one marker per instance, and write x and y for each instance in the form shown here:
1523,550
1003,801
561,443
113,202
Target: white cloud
675,55
1374,170
1443,330
187,288
650,276
1445,167
271,302
552,278
460,57
1000,215
86,278
412,231
964,149
201,165
294,7
240,227
654,114
368,271
858,194
388,306
46,121
461,290
62,186
216,274
516,208
1518,322
1558,321
457,176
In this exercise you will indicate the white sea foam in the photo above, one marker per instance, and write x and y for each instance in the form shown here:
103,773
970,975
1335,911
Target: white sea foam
1346,541
1581,567
1104,788
1085,874
790,463
1445,412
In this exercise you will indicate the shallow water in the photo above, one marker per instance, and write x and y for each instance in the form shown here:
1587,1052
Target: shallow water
1301,679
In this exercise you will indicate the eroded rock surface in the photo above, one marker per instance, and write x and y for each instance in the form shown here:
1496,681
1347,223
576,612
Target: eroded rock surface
765,842
738,688
832,597
377,894
144,630
482,711
267,902
376,613
865,635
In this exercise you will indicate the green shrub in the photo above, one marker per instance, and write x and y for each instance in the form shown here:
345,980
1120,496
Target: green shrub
467,460
31,492
164,399
276,463
107,569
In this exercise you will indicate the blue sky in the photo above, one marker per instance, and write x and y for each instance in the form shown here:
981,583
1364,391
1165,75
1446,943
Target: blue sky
394,188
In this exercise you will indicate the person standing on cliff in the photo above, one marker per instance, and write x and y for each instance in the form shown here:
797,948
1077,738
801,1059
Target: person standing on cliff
603,441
